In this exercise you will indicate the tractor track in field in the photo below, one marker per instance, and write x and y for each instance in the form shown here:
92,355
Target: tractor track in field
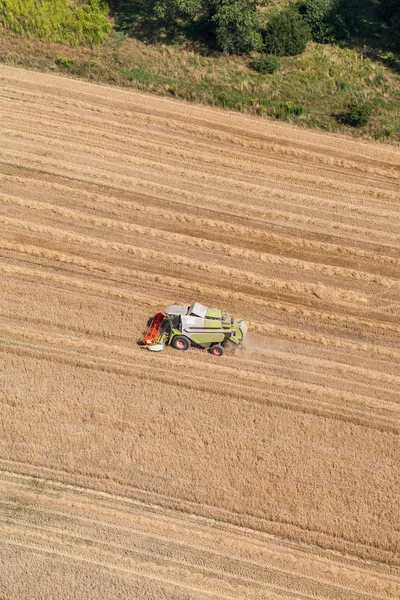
268,474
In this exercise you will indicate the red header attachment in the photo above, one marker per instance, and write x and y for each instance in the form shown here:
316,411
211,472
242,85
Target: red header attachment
153,330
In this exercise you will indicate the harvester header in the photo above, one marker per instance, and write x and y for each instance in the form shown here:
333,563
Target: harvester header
195,324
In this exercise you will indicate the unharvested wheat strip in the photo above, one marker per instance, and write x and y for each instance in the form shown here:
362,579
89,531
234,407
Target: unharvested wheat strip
236,389
293,578
296,364
337,374
168,577
116,553
226,249
287,308
287,533
337,296
151,497
195,384
378,376
264,579
316,390
180,573
272,396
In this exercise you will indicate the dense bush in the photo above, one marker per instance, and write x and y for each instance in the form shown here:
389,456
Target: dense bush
286,34
232,25
237,26
172,10
56,20
332,20
356,115
319,16
266,63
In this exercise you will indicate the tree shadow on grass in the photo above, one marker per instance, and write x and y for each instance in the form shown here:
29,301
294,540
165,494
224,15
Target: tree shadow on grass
372,36
390,60
137,18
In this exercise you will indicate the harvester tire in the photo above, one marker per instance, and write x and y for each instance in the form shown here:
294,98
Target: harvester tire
180,342
217,350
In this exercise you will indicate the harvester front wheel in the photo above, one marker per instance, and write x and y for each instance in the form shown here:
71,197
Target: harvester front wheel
180,342
217,350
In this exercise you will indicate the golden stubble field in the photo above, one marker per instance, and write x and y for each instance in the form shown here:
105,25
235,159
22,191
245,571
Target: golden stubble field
272,473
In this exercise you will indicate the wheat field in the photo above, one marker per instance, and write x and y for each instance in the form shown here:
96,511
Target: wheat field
270,473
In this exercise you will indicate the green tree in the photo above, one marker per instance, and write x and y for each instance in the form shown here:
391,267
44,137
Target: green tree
237,25
286,34
172,10
232,25
332,20
318,16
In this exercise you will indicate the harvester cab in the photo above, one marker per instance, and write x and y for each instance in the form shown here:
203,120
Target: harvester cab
195,324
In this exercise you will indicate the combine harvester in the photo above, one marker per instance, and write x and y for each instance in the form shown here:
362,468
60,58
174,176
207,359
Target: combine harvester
197,325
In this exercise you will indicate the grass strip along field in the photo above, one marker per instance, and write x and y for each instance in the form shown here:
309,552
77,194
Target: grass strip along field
272,473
